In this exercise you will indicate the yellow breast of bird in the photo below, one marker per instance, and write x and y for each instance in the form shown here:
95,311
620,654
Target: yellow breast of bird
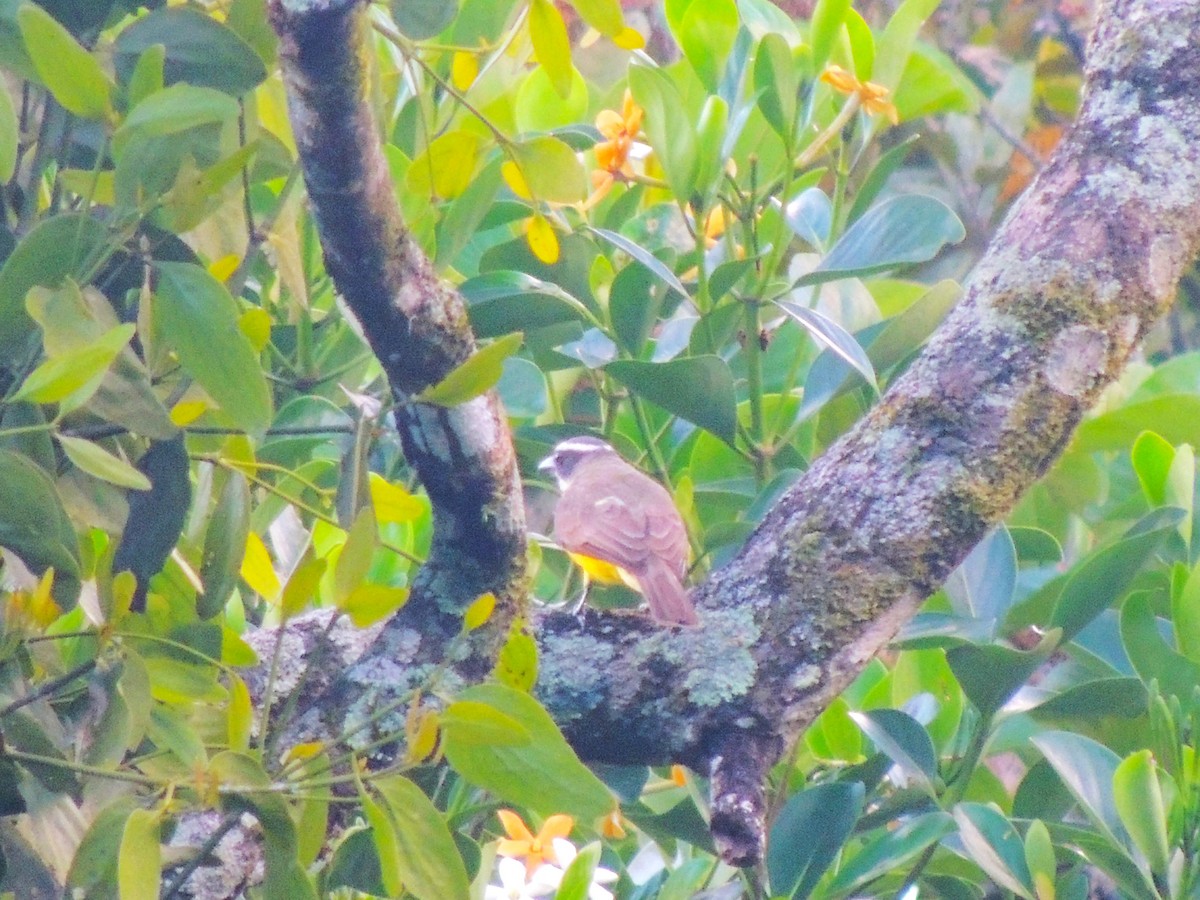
605,572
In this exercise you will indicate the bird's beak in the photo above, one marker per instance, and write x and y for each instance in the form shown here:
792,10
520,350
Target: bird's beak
547,464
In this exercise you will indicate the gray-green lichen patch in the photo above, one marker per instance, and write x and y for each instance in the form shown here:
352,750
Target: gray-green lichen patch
724,644
575,672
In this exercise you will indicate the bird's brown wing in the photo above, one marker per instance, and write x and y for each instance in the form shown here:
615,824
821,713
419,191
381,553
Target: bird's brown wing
620,515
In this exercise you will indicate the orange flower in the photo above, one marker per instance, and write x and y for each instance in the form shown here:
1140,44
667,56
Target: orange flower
612,154
872,96
612,826
679,775
522,843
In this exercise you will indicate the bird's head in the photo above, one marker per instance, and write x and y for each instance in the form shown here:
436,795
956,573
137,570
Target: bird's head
566,456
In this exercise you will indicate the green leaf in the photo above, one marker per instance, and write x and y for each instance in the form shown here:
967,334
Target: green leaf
139,860
633,305
1040,858
984,585
990,674
69,72
827,20
172,110
891,851
888,163
34,525
577,879
990,839
777,84
503,302
387,848
899,231
706,33
667,126
897,40
96,461
1103,578
446,167
1087,769
833,336
430,867
540,108
904,740
546,776
1174,416
474,723
550,168
9,136
522,389
474,377
644,256
457,227
61,247
156,516
420,20
1150,655
199,318
75,375
1095,700
1152,457
603,15
808,835
224,545
1108,857
354,561
1139,800
551,45
199,51
697,388
95,862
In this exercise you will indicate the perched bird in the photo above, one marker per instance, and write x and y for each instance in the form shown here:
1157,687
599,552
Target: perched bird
620,525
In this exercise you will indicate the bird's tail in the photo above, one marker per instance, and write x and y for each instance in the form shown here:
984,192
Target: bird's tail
668,599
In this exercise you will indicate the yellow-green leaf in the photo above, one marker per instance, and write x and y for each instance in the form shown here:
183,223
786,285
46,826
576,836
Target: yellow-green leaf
603,15
370,603
551,44
240,714
516,664
430,865
479,611
392,502
96,461
477,375
355,558
139,861
69,72
447,166
257,569
76,375
301,587
542,240
9,135
549,170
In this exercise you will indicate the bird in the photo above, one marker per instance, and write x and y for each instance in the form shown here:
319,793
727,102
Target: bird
620,526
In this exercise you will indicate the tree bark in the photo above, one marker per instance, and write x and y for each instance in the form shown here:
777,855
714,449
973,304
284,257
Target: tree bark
1086,261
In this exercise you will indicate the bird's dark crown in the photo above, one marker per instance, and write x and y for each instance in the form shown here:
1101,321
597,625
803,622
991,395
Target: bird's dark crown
567,454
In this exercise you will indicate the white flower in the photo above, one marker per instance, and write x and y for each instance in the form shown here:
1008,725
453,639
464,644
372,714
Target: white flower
513,885
565,852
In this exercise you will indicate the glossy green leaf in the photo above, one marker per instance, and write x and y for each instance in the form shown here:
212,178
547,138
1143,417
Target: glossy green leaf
551,45
706,33
1150,655
522,389
710,141
904,740
827,20
545,775
224,545
503,302
239,717
550,168
540,108
667,126
420,20
457,227
576,882
897,40
899,231
156,516
354,561
830,334
644,256
475,723
199,50
383,832
634,302
430,867
603,15
871,186
139,860
991,673
147,75
1103,578
1152,457
95,460
778,84
891,850
696,388
1091,701
1138,797
474,377
198,317
94,866
61,247
810,216
1174,416
446,167
1107,856
9,136
70,73
1086,768
808,835
173,110
1040,858
990,839
76,375
983,586
34,525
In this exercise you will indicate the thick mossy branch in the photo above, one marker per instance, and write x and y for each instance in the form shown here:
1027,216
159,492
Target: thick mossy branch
1084,264
415,322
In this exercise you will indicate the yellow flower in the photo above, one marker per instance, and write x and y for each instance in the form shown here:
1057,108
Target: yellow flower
612,825
620,129
522,843
872,96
